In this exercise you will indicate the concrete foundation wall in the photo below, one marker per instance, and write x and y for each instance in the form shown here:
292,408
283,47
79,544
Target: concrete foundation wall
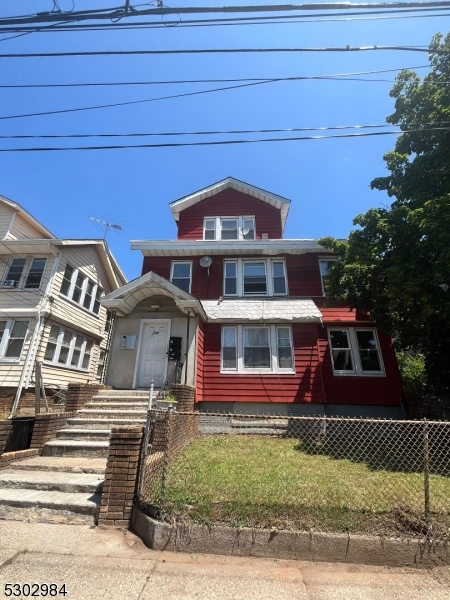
305,409
121,364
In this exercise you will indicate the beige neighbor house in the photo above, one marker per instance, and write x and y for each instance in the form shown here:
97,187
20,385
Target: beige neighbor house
50,290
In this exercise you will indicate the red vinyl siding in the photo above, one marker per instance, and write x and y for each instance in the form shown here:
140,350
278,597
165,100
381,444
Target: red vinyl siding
381,391
303,386
303,275
200,361
230,203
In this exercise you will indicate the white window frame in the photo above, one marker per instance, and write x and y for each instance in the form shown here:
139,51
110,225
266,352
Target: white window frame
84,285
182,262
354,353
28,272
54,362
9,324
273,345
324,260
240,277
240,225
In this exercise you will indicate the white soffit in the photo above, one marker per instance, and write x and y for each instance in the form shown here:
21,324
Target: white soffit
279,202
265,310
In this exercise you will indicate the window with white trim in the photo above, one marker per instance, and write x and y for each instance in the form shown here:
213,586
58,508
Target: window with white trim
181,275
68,348
15,271
263,277
257,349
324,266
355,351
229,228
12,338
78,287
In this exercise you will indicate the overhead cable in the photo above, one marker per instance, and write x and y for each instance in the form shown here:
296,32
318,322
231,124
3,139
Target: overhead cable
220,142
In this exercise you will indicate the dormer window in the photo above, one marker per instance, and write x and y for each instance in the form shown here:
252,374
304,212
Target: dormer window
229,228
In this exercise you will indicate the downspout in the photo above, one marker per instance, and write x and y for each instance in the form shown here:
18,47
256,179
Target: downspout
36,335
186,362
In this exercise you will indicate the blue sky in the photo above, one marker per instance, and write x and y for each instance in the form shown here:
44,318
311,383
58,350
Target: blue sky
326,180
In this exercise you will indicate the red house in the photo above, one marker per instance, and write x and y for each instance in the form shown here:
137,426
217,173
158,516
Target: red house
242,308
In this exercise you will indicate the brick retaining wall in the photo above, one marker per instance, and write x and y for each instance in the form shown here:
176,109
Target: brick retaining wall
185,396
46,426
5,430
78,394
9,457
121,477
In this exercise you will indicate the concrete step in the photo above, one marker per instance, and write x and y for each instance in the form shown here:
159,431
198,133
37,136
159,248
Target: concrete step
111,414
119,393
63,463
109,398
116,405
71,483
83,434
49,507
89,449
77,423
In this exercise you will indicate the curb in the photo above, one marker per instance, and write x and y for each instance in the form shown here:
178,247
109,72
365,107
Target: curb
289,545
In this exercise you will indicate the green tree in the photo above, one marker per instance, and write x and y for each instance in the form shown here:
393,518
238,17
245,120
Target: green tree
396,264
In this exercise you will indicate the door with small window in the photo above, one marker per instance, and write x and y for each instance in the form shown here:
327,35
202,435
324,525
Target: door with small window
152,355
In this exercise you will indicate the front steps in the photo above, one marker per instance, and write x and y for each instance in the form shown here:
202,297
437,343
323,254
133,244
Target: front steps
64,484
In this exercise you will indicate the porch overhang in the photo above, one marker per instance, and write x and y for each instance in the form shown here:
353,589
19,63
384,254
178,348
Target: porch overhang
126,298
276,310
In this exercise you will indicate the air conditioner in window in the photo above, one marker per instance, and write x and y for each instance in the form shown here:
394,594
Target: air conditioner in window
8,283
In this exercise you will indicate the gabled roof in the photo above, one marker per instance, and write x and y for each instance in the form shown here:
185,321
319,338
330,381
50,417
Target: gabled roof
230,182
16,207
126,298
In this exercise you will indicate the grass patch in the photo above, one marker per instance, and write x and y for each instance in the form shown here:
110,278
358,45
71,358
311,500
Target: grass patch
278,483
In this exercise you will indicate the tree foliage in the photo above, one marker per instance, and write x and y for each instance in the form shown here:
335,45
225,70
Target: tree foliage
396,264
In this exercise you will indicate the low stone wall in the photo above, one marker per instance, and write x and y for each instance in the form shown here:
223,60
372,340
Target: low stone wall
172,432
5,430
78,394
8,457
121,477
293,545
46,425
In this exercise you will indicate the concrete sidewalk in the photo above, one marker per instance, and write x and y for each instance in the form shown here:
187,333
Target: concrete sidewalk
114,565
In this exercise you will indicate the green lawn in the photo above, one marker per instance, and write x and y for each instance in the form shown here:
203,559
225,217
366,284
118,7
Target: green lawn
277,483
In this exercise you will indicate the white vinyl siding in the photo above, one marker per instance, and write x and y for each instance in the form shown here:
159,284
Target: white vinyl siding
256,349
22,230
6,215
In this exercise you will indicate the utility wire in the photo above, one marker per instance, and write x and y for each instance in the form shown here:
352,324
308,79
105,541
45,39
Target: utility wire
422,48
337,77
219,132
222,142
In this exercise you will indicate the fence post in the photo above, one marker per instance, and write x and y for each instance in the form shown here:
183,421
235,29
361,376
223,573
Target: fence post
37,387
162,503
426,468
146,437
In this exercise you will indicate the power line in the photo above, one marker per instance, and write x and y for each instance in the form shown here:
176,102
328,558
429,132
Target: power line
218,132
222,142
222,51
336,77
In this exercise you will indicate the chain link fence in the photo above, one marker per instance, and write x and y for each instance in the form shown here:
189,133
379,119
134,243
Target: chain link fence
323,473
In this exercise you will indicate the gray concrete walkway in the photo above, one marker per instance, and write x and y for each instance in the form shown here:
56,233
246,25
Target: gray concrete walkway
97,564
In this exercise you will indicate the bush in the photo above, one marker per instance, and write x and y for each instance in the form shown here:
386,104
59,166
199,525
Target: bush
414,379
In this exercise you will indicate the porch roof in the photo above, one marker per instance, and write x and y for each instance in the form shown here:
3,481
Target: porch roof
279,310
126,298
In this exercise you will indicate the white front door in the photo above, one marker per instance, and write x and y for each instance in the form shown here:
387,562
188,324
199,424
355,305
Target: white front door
152,353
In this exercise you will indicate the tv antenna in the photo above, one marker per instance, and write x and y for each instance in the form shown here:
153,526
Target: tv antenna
107,225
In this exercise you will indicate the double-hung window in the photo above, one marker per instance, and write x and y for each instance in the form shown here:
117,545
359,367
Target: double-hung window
33,278
355,351
68,348
324,265
229,228
181,275
81,289
266,277
257,349
12,338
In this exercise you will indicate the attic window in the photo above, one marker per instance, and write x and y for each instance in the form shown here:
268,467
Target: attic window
229,228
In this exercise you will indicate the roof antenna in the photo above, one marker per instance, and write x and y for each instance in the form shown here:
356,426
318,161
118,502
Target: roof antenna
107,225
